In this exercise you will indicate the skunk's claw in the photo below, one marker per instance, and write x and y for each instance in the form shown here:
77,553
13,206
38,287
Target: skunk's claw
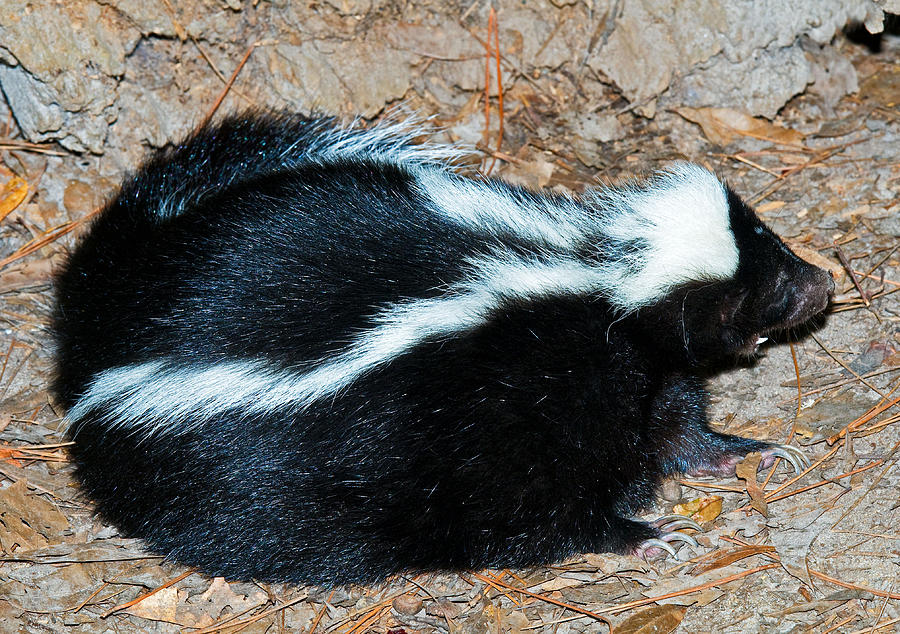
651,547
646,549
675,521
793,455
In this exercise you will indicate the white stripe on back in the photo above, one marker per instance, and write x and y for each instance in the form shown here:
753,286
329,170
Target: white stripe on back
161,395
487,207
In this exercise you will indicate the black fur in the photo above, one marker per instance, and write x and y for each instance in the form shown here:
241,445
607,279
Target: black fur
526,440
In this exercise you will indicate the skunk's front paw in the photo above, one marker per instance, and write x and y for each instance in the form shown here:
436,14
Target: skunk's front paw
726,465
793,455
650,548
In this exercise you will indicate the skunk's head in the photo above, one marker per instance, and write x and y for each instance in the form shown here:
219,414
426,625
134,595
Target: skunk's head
701,272
772,289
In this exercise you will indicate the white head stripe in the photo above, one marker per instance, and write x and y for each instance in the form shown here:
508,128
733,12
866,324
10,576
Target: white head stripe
674,230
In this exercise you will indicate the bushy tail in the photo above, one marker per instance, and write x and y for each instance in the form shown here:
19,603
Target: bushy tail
244,146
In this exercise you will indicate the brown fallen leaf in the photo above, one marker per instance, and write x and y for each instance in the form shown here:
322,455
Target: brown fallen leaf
27,521
658,619
722,125
882,87
771,205
814,257
701,510
29,274
175,605
161,606
722,558
221,595
535,174
12,193
746,470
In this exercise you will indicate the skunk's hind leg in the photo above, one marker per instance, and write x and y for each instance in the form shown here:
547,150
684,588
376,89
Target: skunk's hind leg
684,442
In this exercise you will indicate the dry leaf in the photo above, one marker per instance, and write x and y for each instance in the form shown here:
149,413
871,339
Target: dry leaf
557,583
535,174
28,274
722,558
27,521
658,619
792,537
722,125
50,589
12,193
160,606
882,87
702,509
514,622
79,197
171,605
814,257
772,205
220,595
746,470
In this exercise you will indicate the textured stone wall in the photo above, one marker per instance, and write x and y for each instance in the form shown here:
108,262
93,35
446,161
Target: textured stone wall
96,74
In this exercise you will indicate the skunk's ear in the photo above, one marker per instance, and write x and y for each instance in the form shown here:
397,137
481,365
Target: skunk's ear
731,304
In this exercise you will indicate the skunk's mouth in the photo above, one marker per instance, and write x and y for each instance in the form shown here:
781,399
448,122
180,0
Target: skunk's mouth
752,344
796,318
809,306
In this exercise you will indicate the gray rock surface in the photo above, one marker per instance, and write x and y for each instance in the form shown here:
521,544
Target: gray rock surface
77,71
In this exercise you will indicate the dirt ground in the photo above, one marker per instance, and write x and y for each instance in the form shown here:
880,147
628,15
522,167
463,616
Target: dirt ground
818,552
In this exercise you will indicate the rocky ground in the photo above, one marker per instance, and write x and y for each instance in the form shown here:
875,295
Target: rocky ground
814,553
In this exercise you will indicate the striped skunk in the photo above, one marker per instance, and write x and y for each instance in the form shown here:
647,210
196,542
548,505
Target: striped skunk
294,352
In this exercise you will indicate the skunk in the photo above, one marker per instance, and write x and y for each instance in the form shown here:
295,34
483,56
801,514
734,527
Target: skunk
294,352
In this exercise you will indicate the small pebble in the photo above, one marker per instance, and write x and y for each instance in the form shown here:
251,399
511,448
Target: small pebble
408,604
670,491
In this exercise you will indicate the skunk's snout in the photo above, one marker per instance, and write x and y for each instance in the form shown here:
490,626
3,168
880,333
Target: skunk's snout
809,292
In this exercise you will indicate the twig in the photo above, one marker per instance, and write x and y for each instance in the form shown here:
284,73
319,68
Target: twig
499,90
48,237
883,606
167,584
821,156
846,367
836,384
824,482
815,573
14,144
846,264
874,484
680,593
796,415
738,157
546,599
882,406
321,613
503,591
878,626
228,85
